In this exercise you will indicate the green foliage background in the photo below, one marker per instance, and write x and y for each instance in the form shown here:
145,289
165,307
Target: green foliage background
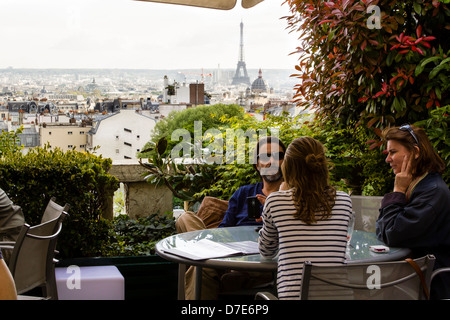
82,181
209,117
349,71
79,179
354,166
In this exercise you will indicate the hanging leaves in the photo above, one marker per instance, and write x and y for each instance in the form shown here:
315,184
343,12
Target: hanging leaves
350,70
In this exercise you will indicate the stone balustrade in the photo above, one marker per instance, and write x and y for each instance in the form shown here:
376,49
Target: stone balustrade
141,198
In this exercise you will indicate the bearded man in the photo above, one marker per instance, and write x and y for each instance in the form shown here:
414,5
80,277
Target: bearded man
269,155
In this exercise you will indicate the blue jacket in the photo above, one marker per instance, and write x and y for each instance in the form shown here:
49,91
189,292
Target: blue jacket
422,224
236,214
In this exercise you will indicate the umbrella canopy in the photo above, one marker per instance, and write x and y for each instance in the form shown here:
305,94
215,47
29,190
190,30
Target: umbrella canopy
212,4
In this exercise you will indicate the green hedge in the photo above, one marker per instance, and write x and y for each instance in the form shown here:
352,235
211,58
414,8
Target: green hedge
80,179
136,237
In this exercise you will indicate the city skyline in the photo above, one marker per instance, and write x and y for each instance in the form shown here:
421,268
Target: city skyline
127,34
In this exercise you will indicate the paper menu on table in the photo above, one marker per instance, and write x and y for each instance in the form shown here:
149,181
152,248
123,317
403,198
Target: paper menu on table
244,247
207,249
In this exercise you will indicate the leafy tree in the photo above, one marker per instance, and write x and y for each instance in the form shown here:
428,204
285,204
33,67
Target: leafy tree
209,116
437,128
376,63
9,142
186,181
354,167
350,68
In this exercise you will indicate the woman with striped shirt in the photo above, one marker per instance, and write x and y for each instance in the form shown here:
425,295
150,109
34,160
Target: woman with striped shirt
308,220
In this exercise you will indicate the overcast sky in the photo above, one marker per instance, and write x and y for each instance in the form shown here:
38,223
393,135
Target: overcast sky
141,35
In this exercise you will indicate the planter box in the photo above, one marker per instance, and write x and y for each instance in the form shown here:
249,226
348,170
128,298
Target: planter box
146,277
94,283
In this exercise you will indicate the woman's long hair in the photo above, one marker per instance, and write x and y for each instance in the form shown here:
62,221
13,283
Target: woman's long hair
305,169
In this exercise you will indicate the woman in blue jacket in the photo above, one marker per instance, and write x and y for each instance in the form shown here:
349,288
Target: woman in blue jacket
417,213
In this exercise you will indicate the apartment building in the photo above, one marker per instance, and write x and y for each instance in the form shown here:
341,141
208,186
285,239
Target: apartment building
66,136
120,135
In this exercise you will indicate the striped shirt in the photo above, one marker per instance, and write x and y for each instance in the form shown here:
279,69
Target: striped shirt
295,242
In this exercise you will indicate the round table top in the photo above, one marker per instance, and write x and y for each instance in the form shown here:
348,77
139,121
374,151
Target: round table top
357,251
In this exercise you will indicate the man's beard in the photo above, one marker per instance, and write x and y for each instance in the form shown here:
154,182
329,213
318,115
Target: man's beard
272,177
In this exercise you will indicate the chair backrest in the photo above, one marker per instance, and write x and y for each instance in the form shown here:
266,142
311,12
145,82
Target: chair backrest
395,280
31,262
53,210
367,211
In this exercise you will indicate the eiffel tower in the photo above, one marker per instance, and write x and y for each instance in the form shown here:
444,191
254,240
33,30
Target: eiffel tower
241,76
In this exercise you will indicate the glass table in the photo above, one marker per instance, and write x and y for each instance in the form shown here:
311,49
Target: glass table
357,251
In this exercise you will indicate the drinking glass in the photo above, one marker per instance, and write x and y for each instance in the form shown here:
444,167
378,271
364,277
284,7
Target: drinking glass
351,225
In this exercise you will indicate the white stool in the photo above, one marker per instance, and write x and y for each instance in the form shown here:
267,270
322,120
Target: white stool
90,283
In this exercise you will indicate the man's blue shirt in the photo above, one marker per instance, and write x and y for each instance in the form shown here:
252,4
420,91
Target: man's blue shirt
236,214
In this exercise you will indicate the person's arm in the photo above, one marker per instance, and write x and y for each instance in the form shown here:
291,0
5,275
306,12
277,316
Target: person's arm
7,286
236,213
229,219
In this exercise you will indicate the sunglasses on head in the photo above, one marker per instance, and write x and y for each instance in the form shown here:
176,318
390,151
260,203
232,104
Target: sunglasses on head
407,127
274,155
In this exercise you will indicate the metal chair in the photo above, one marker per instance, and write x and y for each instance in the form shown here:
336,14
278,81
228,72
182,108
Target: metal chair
53,210
31,262
395,280
439,271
